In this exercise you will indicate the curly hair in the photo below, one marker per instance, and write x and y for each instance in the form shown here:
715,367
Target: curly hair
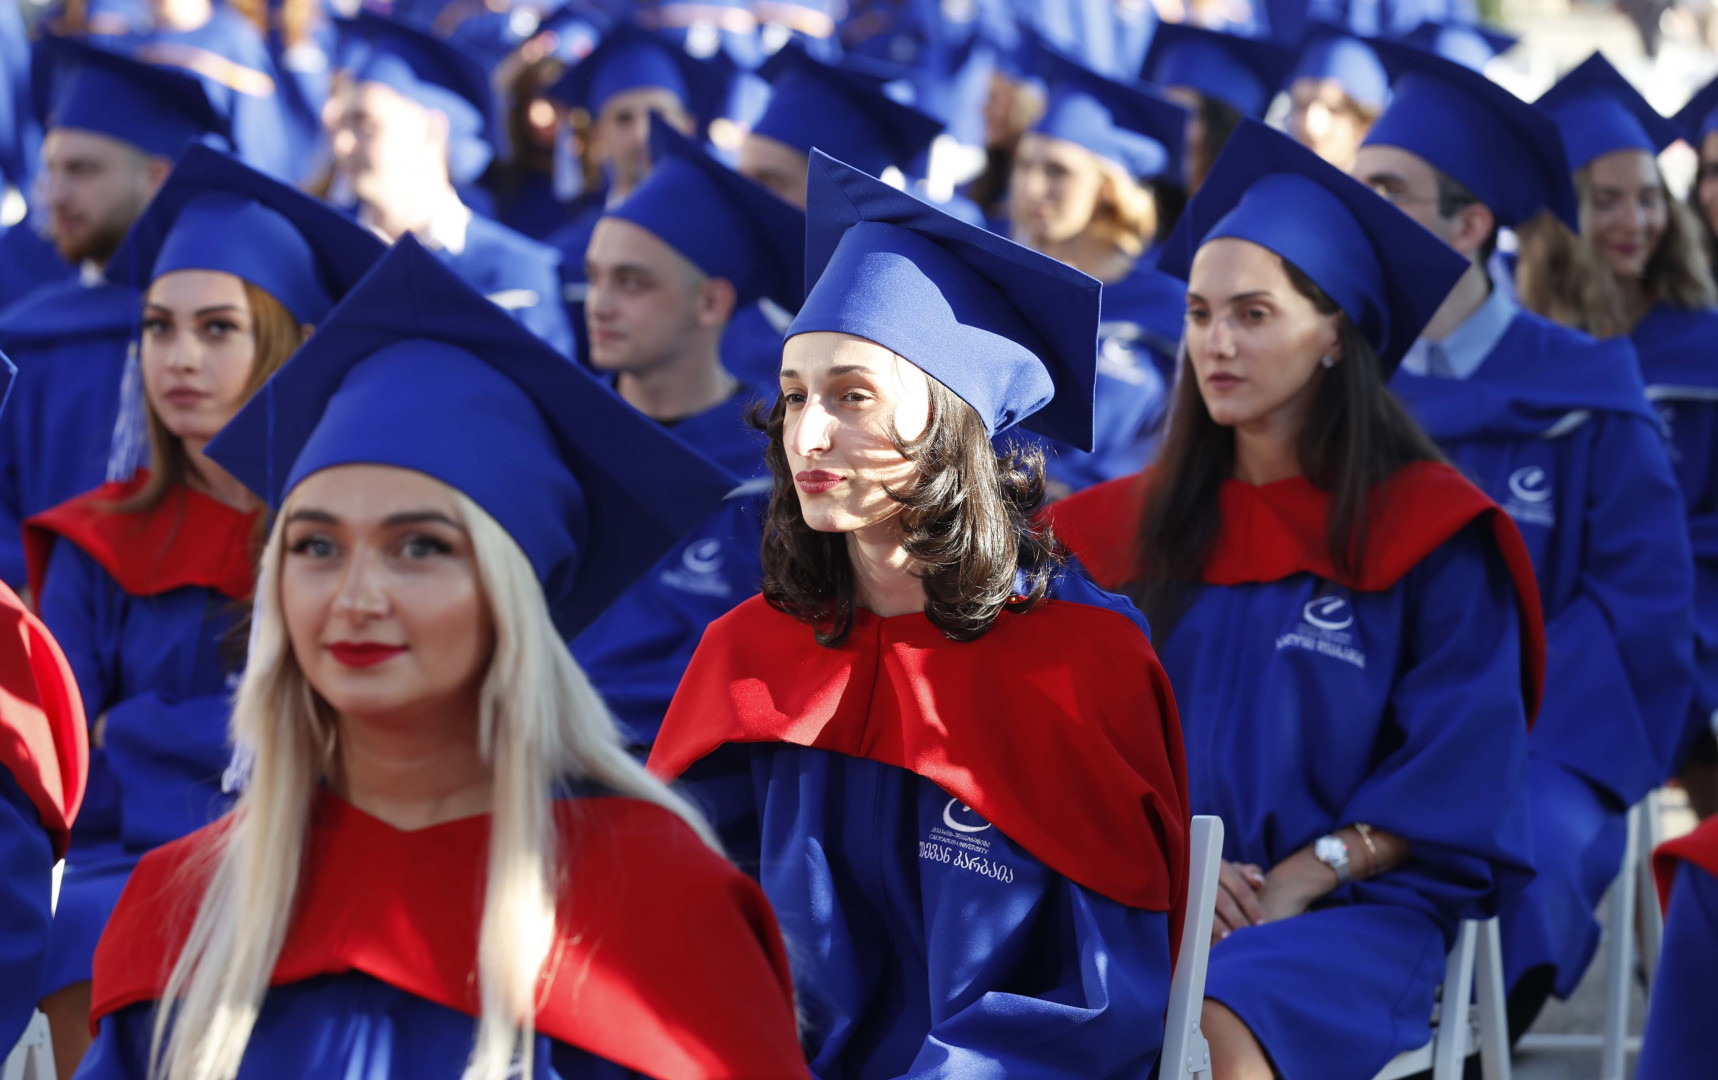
966,520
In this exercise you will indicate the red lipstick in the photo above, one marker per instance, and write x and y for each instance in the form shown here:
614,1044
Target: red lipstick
363,653
815,481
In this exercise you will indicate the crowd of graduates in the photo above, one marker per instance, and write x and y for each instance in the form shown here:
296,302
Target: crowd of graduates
724,539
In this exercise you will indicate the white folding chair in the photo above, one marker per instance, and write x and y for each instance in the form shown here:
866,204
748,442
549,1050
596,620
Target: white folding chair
1634,883
1470,1016
33,1057
1186,1054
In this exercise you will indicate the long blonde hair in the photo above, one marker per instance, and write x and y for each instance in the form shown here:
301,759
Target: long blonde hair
1563,277
1126,214
541,723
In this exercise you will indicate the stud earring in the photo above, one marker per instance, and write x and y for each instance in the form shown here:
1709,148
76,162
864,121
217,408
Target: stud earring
1328,360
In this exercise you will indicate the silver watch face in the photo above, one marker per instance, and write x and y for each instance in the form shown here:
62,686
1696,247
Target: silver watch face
1330,850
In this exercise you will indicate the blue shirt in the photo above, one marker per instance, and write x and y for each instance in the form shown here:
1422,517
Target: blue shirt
1465,348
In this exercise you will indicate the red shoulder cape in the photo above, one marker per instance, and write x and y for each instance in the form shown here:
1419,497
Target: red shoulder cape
1699,847
187,539
1058,726
669,961
1274,531
43,738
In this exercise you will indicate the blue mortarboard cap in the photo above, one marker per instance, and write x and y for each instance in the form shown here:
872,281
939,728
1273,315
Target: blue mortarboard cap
1470,46
1505,151
429,71
842,111
1699,117
631,58
214,213
1386,271
1243,73
1009,331
723,223
157,110
414,369
1599,112
1128,125
1330,52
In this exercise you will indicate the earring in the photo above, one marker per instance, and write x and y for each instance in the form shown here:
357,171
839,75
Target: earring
1328,360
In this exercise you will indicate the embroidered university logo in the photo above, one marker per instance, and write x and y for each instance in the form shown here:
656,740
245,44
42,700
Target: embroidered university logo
1324,626
700,570
1529,501
956,843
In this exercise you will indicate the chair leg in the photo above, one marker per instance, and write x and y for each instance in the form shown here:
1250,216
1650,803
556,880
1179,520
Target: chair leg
1449,1041
1490,995
1619,955
1651,915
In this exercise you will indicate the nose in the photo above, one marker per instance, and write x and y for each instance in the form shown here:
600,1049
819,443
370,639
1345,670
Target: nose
361,598
1220,342
808,434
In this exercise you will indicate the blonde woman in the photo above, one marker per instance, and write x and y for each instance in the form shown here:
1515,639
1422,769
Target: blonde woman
443,864
1076,195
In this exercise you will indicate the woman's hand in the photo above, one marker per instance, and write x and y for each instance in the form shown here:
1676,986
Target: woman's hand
1238,905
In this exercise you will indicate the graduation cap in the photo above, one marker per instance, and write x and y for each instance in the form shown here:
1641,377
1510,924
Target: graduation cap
1331,52
1009,331
1386,271
1243,73
416,370
157,110
425,69
1471,46
631,58
1130,126
841,110
215,213
1699,117
1507,152
723,223
1599,112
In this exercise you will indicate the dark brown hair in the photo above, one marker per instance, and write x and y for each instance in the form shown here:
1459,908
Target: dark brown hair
1356,435
278,336
966,520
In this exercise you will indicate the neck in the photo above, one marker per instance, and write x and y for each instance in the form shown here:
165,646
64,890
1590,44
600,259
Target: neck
1267,450
411,214
1090,254
682,386
883,579
212,480
414,771
1636,300
1458,307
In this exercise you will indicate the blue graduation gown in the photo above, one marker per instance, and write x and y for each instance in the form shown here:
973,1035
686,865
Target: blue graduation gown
27,262
26,887
517,273
1675,351
69,342
927,942
1401,708
1555,427
751,345
570,242
1138,342
1681,1018
153,666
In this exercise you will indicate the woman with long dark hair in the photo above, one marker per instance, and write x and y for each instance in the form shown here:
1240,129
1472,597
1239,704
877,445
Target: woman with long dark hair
1352,628
954,765
143,580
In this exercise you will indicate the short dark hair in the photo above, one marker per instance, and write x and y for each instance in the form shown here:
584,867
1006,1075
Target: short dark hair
1453,198
966,520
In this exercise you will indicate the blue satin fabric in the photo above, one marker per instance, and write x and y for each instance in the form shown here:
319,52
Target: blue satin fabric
349,1026
1556,429
26,886
496,261
153,667
1307,706
1679,1023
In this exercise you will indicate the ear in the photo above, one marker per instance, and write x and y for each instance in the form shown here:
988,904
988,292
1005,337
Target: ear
1333,347
304,333
155,170
716,301
1473,226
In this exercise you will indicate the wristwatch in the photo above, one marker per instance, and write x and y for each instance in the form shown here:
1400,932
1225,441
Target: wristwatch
1332,851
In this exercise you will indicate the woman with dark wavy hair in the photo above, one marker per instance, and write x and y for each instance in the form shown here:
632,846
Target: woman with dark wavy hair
953,763
1352,628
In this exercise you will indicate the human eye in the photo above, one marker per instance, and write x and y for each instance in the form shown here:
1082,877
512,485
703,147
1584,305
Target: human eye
314,546
793,398
424,546
155,325
220,329
1197,316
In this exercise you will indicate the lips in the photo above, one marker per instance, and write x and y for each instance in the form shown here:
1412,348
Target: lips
184,397
360,654
1223,380
816,481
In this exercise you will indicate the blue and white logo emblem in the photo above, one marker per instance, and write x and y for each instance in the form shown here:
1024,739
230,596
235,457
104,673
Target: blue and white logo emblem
700,570
1330,613
959,826
1530,492
1325,627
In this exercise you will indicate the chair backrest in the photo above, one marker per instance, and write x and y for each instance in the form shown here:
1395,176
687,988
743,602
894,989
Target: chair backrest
1186,1054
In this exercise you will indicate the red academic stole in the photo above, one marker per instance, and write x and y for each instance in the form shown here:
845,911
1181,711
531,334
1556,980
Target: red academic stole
1275,531
668,960
1699,848
1058,727
187,539
43,740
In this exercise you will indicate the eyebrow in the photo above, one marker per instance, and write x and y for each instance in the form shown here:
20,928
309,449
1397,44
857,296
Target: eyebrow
1238,298
1384,178
200,312
392,521
838,369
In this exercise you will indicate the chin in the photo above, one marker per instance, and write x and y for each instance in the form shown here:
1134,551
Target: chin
820,516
